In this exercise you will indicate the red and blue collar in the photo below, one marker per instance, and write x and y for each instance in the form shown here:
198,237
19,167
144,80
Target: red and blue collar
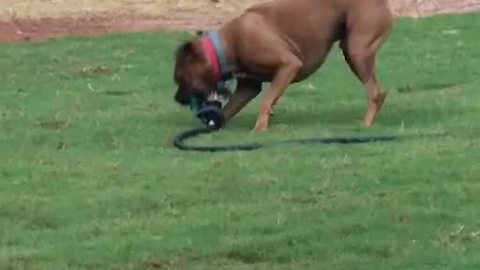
215,51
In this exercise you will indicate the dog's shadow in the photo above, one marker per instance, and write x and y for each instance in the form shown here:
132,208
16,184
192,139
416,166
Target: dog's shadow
408,88
391,114
349,116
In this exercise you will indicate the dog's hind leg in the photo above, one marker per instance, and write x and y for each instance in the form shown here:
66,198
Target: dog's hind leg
365,35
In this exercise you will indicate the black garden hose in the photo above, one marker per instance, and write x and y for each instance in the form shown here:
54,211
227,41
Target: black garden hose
179,141
182,137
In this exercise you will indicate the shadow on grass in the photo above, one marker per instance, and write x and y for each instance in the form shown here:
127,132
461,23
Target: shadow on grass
408,88
349,116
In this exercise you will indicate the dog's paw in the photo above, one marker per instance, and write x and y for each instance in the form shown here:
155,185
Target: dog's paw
364,123
261,127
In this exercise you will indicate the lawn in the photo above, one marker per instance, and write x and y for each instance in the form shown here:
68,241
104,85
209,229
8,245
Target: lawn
89,179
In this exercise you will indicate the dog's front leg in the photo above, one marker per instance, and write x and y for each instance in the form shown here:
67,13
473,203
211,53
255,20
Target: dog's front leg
246,91
286,73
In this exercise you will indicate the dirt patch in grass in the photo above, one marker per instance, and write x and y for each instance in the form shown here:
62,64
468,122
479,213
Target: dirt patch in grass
36,20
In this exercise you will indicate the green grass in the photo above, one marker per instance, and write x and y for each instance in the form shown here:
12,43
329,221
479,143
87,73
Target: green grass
89,179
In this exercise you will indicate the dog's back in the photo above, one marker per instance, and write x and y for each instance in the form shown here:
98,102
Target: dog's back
312,26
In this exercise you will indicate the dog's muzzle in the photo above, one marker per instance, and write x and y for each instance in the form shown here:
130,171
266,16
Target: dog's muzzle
210,112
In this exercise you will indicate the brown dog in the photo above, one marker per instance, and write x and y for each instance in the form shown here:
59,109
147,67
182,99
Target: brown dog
284,42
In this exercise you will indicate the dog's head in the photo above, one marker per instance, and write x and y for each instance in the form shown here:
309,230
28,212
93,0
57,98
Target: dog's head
192,75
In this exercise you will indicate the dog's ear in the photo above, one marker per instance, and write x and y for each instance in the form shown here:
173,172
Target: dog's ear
187,51
187,48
